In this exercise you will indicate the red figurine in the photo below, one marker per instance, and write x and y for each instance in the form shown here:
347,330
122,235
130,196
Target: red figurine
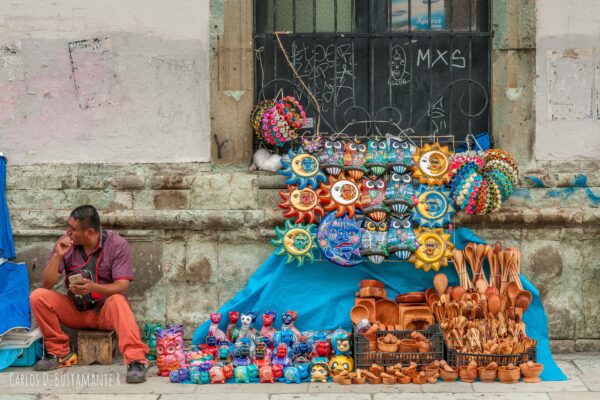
232,330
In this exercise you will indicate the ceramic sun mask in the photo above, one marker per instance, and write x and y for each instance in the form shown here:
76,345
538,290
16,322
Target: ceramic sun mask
431,164
339,239
302,169
434,207
435,249
302,204
400,155
341,195
297,242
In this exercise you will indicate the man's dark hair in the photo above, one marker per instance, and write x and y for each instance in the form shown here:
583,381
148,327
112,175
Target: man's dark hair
87,216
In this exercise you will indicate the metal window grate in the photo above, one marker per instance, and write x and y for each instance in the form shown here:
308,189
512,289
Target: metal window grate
421,65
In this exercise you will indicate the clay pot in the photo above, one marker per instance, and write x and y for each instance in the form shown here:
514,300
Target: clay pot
389,379
359,381
419,379
371,283
487,375
509,375
408,346
531,372
404,380
467,374
374,381
386,347
358,313
430,372
448,376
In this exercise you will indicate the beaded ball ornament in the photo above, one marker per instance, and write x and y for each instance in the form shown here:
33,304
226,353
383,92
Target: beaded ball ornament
281,122
481,181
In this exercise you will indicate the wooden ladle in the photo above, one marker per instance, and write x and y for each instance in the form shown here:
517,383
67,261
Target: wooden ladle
440,282
513,291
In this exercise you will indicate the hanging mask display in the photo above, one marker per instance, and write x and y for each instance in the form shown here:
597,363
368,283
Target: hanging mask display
354,160
341,195
434,207
377,152
374,240
401,238
434,249
400,155
297,242
431,164
331,156
400,194
302,204
339,239
302,169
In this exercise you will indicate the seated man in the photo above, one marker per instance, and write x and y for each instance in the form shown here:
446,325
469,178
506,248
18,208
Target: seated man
97,266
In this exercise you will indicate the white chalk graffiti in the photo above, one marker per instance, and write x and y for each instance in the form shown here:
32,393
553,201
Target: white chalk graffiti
398,73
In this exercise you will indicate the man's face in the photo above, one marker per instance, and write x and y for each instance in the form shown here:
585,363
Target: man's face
78,235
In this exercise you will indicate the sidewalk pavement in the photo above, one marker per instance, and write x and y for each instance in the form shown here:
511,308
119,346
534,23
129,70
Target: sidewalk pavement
101,382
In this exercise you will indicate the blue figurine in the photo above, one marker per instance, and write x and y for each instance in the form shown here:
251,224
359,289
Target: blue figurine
195,375
241,352
340,341
303,370
291,375
174,376
241,374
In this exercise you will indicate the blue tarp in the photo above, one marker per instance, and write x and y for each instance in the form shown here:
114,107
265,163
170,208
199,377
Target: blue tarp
14,297
323,293
7,247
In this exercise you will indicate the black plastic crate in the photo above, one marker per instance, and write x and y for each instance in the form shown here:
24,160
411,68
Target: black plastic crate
364,356
457,359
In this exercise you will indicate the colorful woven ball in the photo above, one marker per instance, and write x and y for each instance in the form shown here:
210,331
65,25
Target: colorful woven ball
281,122
481,181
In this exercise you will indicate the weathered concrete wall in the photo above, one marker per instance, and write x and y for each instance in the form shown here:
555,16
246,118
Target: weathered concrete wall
89,81
199,230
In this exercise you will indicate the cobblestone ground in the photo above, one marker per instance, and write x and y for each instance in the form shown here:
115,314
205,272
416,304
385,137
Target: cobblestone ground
100,382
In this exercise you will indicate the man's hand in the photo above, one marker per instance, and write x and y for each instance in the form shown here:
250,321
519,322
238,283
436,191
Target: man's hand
63,245
83,288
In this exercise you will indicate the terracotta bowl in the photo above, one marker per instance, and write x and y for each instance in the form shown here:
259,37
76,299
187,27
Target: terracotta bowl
531,374
371,283
391,380
386,347
487,375
419,379
411,297
408,346
359,381
430,372
405,380
386,312
448,376
509,375
358,313
467,374
374,381
369,306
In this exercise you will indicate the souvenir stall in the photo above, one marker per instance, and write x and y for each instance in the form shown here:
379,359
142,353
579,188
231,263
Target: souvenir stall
370,280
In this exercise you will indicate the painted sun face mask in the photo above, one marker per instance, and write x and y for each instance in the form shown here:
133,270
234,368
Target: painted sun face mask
435,249
339,239
431,164
302,169
377,152
401,239
302,204
354,159
373,197
297,242
400,155
400,193
434,207
374,240
342,195
331,156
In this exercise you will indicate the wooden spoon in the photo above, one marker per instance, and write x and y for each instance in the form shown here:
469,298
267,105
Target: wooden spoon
440,282
493,304
513,290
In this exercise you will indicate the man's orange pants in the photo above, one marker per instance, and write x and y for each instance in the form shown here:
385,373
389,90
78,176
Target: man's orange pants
51,309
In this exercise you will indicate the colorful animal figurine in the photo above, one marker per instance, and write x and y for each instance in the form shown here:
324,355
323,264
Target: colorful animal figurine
321,351
265,374
372,199
247,330
401,239
268,330
319,372
286,336
301,351
167,358
292,324
400,195
277,371
331,156
241,352
354,159
228,371
291,375
400,155
340,341
241,375
303,370
252,371
340,363
374,240
224,356
211,347
195,376
376,156
281,356
262,352
213,329
216,375
232,329
150,338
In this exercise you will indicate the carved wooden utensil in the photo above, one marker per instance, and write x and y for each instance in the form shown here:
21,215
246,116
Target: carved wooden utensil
440,282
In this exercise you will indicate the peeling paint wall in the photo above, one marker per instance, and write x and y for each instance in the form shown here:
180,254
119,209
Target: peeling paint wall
104,81
568,80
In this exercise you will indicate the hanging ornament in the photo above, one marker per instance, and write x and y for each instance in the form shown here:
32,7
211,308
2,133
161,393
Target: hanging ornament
481,181
401,238
256,117
374,240
434,249
281,122
354,159
400,194
331,156
377,152
301,203
302,169
373,197
339,239
313,144
400,155
431,164
342,195
297,242
434,207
